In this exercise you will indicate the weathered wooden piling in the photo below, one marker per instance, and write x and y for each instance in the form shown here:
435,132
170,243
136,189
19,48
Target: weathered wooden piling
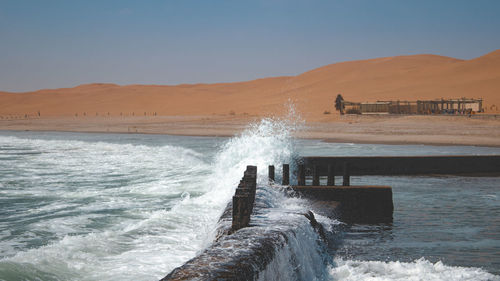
331,176
315,181
346,180
271,173
250,180
301,177
286,175
240,207
244,199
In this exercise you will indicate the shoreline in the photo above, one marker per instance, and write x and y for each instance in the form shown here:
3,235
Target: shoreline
392,130
327,140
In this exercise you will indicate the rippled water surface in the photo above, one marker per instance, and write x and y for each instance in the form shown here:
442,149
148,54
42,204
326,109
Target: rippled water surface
79,206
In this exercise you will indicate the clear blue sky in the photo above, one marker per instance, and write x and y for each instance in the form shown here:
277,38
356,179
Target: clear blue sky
52,44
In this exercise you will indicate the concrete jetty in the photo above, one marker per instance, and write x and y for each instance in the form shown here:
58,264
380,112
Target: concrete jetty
473,165
242,250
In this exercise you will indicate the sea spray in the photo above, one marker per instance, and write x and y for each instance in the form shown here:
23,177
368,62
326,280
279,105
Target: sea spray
267,142
277,216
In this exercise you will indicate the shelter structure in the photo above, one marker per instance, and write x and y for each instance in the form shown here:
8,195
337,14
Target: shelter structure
438,106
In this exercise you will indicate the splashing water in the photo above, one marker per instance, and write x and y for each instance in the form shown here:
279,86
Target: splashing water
92,210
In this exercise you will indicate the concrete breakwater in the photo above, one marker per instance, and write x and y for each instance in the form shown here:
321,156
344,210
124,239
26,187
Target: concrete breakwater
245,248
488,165
241,251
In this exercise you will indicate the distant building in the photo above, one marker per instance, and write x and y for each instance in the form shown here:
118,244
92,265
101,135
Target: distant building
439,106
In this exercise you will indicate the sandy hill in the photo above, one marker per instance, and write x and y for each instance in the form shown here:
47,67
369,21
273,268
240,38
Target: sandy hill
402,77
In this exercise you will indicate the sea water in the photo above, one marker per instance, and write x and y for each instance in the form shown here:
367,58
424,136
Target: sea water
77,206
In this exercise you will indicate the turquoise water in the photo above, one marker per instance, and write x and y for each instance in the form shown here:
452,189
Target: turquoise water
449,219
77,206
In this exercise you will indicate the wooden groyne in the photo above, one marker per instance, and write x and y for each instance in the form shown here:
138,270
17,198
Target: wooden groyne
241,251
476,165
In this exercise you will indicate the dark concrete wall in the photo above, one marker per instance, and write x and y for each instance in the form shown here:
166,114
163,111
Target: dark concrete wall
240,256
409,165
244,253
358,204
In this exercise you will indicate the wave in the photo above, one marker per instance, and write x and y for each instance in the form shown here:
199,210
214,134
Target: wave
421,269
97,210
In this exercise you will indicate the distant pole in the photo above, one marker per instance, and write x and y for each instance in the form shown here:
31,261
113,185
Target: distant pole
271,173
286,175
331,175
301,175
315,175
346,181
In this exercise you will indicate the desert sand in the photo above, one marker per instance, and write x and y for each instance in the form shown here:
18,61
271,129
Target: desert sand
224,109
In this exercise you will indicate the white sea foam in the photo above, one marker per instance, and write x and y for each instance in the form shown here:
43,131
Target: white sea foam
103,228
421,269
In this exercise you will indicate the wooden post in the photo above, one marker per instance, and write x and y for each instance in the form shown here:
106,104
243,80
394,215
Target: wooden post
271,173
239,205
346,181
243,191
315,175
301,177
244,198
252,169
331,176
286,175
250,181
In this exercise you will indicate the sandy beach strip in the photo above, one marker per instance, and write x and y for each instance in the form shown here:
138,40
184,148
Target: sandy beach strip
432,130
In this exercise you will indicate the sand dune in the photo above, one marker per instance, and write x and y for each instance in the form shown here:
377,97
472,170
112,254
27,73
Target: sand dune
403,77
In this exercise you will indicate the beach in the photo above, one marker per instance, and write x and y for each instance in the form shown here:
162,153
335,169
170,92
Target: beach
480,130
